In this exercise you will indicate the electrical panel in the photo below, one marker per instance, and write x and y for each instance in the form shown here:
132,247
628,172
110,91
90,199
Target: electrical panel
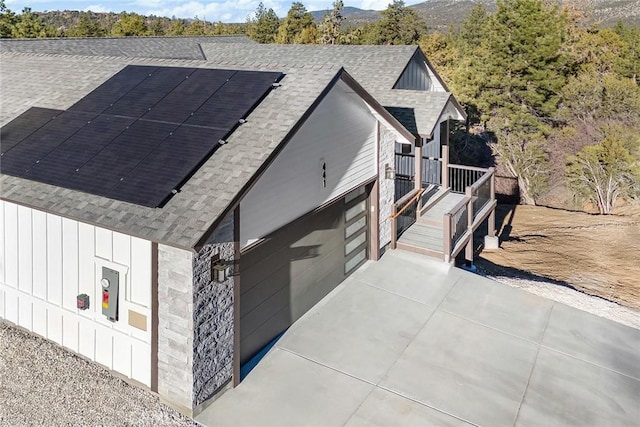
110,284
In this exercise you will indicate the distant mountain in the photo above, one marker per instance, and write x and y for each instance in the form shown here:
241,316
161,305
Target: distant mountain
441,15
354,15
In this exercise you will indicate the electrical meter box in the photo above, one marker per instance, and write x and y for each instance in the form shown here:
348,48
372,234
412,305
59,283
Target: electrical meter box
110,284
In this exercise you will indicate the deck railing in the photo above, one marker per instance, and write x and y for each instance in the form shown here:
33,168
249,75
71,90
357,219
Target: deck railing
465,217
461,177
431,168
404,214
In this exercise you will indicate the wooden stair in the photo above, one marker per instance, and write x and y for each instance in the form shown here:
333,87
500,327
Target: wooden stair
425,236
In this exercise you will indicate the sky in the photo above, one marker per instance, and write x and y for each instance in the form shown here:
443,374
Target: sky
218,10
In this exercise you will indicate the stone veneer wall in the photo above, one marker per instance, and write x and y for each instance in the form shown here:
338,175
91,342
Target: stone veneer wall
386,187
175,327
213,316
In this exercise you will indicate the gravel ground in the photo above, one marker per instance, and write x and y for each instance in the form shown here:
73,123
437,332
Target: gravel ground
573,298
42,384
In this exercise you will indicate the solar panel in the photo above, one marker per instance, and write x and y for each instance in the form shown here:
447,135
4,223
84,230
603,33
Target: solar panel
143,98
23,126
234,100
40,143
102,146
172,162
113,89
124,153
192,92
77,150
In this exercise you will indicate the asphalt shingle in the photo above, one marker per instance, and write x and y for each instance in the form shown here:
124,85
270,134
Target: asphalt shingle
183,47
41,79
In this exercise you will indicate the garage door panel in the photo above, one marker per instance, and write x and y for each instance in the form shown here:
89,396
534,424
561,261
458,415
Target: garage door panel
305,301
291,270
257,272
254,342
265,311
263,290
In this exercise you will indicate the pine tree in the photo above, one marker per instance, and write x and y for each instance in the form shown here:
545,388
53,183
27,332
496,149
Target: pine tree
399,25
296,21
129,24
264,25
331,26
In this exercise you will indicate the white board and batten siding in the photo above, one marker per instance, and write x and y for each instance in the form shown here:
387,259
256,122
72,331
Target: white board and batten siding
46,261
341,134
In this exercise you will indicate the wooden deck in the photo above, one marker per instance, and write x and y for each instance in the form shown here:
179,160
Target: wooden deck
426,234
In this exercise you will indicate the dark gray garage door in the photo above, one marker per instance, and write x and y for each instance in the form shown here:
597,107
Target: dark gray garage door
296,266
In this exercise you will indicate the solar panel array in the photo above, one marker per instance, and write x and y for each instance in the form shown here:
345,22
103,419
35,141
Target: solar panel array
138,137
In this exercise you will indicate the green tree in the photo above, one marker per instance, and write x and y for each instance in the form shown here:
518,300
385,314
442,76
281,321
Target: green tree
331,26
196,28
30,25
129,24
297,20
176,28
8,21
86,27
399,25
264,25
519,80
629,60
604,172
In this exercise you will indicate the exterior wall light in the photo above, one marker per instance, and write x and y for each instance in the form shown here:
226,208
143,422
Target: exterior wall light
389,172
219,271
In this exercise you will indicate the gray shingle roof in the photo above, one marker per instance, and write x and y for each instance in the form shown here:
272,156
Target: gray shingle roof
376,68
183,47
418,111
58,81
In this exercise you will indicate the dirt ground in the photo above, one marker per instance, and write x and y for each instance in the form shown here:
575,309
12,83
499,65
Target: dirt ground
595,254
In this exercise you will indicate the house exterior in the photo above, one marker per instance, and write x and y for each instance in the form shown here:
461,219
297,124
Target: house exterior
293,198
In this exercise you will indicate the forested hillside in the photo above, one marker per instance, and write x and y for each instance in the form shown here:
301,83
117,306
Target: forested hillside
553,99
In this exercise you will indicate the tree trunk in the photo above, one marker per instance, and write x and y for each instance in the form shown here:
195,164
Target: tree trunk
525,195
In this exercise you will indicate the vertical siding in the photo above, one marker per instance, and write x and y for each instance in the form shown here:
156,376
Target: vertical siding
339,133
25,241
46,261
11,244
40,256
415,76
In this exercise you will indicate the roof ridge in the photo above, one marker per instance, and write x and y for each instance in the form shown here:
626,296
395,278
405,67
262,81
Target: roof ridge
32,39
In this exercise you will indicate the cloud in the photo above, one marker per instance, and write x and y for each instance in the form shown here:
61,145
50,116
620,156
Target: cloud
97,8
374,4
225,11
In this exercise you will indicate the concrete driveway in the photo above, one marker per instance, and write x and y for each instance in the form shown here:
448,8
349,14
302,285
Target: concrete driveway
407,341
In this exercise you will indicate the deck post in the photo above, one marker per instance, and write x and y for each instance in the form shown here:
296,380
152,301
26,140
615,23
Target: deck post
468,252
491,240
444,143
446,238
492,216
394,226
418,171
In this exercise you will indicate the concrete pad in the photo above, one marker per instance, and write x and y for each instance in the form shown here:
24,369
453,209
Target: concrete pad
498,306
383,409
361,331
594,339
569,392
463,368
288,390
410,275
